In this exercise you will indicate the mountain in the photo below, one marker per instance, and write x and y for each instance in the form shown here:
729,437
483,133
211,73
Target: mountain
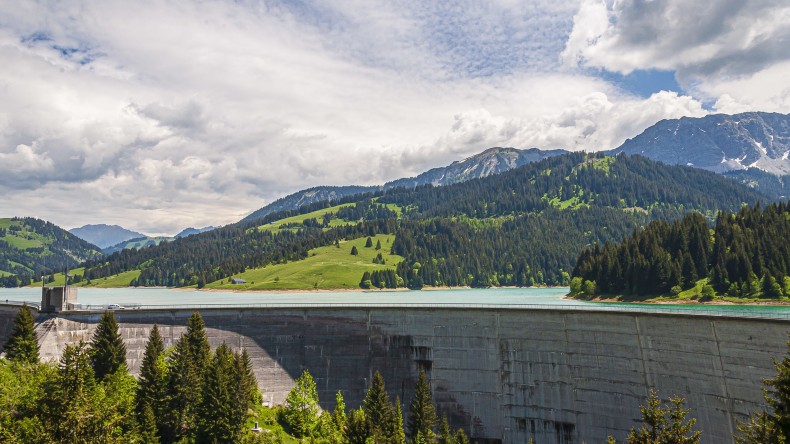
723,144
491,161
525,226
190,231
104,236
307,197
30,247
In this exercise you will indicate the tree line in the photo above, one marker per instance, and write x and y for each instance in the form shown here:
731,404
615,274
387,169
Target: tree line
522,227
745,254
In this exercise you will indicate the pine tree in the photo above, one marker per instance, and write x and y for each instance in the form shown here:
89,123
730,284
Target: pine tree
301,406
107,350
339,413
149,434
354,251
357,429
445,435
218,418
152,385
378,409
186,370
399,435
664,424
422,413
69,407
22,345
368,242
460,437
378,244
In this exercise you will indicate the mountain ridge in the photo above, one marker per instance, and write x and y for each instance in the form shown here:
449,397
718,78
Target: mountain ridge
491,161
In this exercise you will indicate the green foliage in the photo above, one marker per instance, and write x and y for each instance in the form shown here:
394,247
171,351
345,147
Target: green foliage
107,350
354,251
771,427
152,387
301,406
186,371
22,345
368,242
746,258
664,424
422,414
77,409
357,430
22,386
223,409
379,411
30,247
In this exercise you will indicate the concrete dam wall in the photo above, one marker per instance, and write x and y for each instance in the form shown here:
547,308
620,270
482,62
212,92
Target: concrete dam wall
557,376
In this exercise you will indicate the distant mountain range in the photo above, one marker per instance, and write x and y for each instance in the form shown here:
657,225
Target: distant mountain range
752,148
143,241
491,161
103,235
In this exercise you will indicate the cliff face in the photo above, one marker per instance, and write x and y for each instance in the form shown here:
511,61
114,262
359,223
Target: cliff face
505,375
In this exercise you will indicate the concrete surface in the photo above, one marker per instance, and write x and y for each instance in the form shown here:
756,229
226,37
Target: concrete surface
504,375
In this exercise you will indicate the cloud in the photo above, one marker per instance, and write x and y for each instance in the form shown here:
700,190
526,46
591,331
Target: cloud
160,115
716,48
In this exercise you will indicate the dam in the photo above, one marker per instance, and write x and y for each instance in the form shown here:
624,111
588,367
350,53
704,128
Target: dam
505,375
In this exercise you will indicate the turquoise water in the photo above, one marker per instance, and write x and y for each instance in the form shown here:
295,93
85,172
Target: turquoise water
535,298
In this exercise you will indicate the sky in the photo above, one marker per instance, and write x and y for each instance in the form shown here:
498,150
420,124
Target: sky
161,115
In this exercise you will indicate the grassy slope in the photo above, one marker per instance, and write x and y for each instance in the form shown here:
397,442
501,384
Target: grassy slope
116,281
325,268
274,227
22,239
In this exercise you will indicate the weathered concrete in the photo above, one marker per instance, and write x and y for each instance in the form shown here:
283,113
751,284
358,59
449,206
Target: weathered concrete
505,375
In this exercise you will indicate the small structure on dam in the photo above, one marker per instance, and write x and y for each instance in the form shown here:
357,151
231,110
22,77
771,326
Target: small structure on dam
57,299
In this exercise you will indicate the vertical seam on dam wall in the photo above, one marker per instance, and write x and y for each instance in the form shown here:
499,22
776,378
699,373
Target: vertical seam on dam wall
640,336
723,376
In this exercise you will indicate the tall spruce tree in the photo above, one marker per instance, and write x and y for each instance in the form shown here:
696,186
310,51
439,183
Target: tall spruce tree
186,369
422,413
152,385
219,418
379,410
22,345
107,350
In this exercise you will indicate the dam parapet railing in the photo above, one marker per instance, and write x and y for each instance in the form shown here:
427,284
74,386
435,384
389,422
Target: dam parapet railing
773,312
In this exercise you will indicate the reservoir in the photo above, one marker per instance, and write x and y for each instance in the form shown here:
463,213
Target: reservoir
502,298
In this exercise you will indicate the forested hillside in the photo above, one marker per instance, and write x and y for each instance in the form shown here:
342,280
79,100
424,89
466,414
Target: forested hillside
29,247
522,227
748,256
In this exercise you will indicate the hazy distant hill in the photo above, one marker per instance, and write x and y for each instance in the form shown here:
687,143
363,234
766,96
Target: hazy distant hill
31,246
190,231
491,161
103,235
732,144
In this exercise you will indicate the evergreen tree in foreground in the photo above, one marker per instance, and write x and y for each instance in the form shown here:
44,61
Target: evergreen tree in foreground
301,406
152,386
219,418
22,345
664,424
186,370
771,427
379,411
107,351
422,414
